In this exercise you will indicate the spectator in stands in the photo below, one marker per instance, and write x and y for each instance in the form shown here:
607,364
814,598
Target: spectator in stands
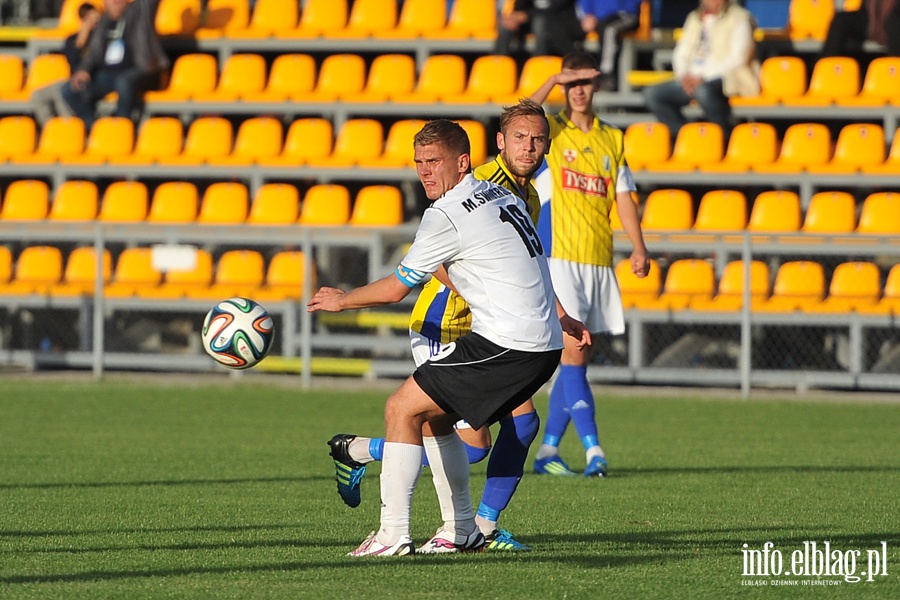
124,56
554,23
610,19
876,20
48,101
713,60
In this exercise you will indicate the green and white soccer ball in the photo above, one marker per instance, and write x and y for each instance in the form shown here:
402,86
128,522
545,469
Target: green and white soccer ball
238,333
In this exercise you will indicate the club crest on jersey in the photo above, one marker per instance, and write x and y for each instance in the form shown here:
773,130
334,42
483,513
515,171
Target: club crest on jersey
570,155
589,184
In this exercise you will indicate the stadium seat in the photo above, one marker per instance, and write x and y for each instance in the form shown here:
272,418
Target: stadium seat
809,19
834,78
647,143
174,202
43,70
224,18
442,76
325,204
750,145
390,75
177,17
730,293
6,266
258,140
892,165
830,212
224,203
18,136
799,285
12,75
178,282
780,78
62,139
377,206
853,285
368,17
398,147
26,200
242,75
290,74
74,201
687,280
890,300
477,140
858,145
68,22
803,145
340,75
319,18
697,145
238,273
124,202
358,142
636,291
721,210
158,139
418,18
535,73
37,269
880,85
208,138
134,273
274,204
308,140
468,19
193,75
110,137
284,277
80,275
272,18
775,211
668,210
492,79
880,214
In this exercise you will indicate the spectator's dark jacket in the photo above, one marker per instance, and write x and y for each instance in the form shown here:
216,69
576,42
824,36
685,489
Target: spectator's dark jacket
140,37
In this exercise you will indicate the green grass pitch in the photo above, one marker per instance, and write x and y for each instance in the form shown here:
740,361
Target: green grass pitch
125,489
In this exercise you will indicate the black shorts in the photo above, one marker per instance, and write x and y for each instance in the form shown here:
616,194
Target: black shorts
481,381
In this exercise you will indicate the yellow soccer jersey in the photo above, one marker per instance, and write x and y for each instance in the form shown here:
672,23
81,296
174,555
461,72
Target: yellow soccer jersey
586,169
440,314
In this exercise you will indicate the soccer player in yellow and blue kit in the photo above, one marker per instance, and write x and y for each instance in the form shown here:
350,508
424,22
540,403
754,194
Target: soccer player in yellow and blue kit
589,172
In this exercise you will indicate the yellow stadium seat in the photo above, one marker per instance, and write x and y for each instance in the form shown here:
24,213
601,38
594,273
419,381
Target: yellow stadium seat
224,203
258,139
74,201
647,143
18,136
468,20
284,277
390,75
804,145
809,18
12,75
721,210
208,138
173,202
398,147
892,165
368,17
881,85
780,78
134,273
80,275
890,300
418,18
238,273
290,74
638,290
124,202
358,142
110,138
377,206
750,145
38,268
177,17
799,285
697,145
224,18
193,75
272,18
687,280
858,145
830,212
492,79
775,211
159,139
68,22
880,214
341,75
178,282
43,70
242,75
730,293
274,204
26,200
319,18
834,78
308,140
62,139
6,266
442,76
854,285
535,73
668,210
325,204
477,141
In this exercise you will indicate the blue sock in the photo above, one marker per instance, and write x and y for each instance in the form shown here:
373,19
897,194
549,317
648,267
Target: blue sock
557,415
507,463
476,454
376,449
580,402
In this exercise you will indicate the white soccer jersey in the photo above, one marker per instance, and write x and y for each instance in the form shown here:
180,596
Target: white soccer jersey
483,235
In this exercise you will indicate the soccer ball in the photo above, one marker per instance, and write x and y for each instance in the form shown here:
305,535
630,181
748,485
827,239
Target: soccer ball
237,333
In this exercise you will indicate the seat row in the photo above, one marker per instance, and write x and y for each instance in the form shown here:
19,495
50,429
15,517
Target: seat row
798,286
223,203
699,146
43,270
212,140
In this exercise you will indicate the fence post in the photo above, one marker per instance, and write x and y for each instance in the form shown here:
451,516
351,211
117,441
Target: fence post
305,317
98,324
746,345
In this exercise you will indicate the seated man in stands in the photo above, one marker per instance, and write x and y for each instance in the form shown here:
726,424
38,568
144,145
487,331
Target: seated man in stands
124,56
713,60
876,20
610,19
554,23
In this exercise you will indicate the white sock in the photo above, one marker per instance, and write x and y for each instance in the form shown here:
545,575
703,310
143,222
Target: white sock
400,468
450,471
546,450
593,451
359,450
486,527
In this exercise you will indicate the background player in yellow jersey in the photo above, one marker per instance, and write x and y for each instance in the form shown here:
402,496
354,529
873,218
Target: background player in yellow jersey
589,172
440,316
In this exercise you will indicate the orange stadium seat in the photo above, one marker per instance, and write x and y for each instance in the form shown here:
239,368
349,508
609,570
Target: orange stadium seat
775,211
242,75
18,136
43,70
284,277
687,280
647,143
134,272
492,79
12,75
442,76
377,206
340,75
721,210
62,139
358,142
74,201
224,203
697,145
159,139
174,202
238,273
272,18
68,22
853,285
468,19
892,165
258,139
535,73
418,18
325,204
290,74
390,75
224,18
178,282
668,210
368,17
398,147
177,17
730,293
308,140
124,202
193,75
803,145
274,204
477,140
26,200
751,144
638,290
110,138
881,84
781,78
890,301
809,18
799,285
858,145
6,266
319,18
37,269
834,78
80,275
880,214
208,138
830,212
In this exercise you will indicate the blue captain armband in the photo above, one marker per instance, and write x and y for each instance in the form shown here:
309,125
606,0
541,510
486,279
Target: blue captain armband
409,277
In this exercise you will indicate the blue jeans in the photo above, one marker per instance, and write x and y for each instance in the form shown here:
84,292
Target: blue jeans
129,84
666,100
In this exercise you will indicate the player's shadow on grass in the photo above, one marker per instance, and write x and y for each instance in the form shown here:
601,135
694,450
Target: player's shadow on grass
162,482
762,469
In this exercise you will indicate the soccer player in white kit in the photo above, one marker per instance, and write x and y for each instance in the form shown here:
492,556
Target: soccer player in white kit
482,235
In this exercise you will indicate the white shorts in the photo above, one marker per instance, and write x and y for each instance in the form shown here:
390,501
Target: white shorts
590,294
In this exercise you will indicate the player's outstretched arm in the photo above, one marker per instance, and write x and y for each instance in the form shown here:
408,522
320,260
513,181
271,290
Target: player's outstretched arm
640,257
562,79
386,290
